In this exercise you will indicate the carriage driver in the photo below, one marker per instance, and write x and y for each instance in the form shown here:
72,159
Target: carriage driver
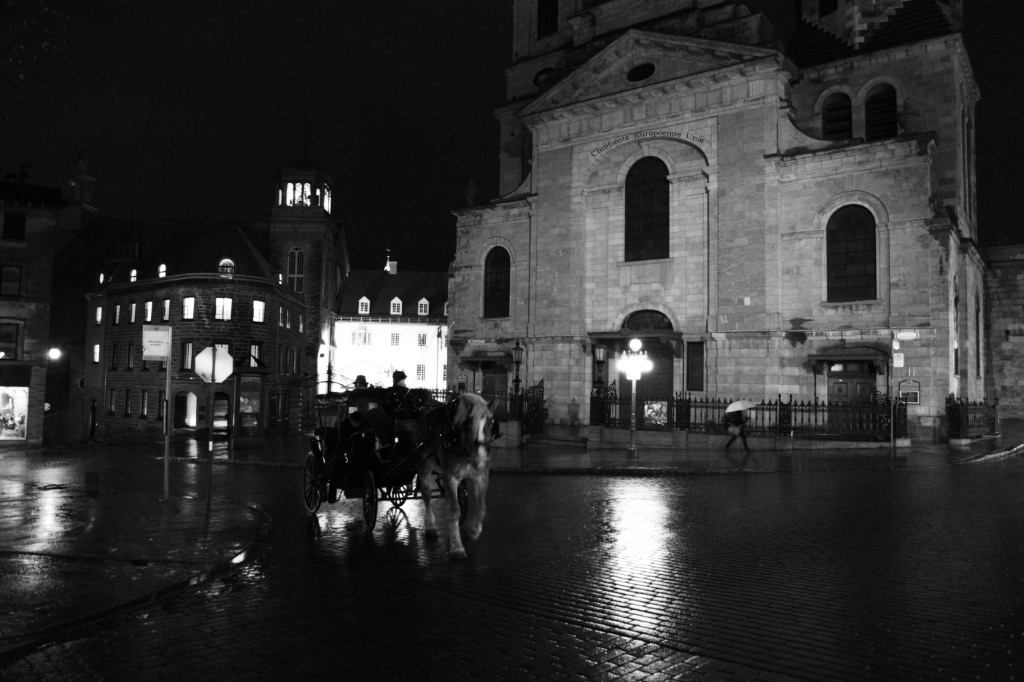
398,401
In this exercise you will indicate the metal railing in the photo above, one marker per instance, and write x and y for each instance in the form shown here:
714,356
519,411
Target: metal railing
968,419
860,421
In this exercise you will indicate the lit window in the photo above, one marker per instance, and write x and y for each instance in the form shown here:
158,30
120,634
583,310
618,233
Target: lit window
424,307
144,408
186,355
226,266
117,314
396,306
394,339
302,324
188,308
287,319
161,271
222,309
255,352
132,313
96,354
421,340
280,316
113,400
102,278
167,309
327,198
364,306
99,314
149,311
259,311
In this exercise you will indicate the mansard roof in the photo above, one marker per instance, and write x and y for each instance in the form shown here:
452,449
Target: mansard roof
916,20
381,288
675,58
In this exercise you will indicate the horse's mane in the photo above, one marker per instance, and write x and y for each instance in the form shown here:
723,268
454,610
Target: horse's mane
471,407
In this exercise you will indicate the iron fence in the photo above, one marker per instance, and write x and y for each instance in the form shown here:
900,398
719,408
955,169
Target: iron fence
804,419
968,419
527,406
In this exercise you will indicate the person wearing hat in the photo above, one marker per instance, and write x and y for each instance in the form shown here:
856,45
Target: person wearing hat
396,397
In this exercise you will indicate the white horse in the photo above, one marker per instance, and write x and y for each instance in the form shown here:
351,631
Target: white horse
455,442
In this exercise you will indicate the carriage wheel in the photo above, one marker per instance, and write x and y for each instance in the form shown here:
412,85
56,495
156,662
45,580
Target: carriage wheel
463,495
398,494
369,500
311,494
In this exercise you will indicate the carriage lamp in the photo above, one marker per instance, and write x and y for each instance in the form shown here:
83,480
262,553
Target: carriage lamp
633,363
600,355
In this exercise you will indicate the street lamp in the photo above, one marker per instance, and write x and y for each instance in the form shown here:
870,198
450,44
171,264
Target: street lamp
517,360
634,362
600,355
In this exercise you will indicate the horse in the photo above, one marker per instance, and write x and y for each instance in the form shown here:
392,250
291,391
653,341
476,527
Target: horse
455,442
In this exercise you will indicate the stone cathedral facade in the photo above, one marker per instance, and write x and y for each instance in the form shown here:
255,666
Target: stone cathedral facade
766,218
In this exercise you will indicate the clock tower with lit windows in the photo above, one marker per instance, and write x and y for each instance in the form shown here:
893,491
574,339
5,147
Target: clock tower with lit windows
308,250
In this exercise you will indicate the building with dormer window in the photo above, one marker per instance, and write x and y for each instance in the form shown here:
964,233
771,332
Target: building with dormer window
765,218
389,320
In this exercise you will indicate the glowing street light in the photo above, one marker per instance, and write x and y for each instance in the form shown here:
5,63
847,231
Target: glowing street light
633,363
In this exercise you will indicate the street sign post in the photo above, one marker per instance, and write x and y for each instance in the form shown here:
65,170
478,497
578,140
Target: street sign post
156,345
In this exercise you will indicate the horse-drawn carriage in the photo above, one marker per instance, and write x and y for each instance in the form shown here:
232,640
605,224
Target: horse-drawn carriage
361,448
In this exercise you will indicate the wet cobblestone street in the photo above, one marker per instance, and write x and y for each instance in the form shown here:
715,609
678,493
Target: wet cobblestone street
885,575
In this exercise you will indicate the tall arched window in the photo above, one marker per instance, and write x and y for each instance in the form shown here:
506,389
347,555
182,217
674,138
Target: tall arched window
880,112
296,269
497,283
850,240
837,117
647,210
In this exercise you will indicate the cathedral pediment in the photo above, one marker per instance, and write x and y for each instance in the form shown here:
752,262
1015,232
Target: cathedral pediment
638,61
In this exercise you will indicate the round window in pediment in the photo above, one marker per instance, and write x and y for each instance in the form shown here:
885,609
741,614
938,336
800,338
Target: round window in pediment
640,72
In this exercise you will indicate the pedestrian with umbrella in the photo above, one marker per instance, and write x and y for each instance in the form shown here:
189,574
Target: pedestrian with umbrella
736,420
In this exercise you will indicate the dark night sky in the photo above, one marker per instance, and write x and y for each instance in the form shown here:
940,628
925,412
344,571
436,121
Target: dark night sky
186,109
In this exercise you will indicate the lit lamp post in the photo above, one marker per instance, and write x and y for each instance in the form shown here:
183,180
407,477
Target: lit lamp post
634,362
517,360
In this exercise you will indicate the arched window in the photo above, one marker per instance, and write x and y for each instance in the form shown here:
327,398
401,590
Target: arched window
497,283
837,117
647,210
226,266
850,239
133,275
161,270
880,112
296,269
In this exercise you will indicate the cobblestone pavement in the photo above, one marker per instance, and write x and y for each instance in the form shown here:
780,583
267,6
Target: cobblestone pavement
905,574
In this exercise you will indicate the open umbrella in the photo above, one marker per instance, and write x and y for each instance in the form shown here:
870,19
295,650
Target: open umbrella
738,405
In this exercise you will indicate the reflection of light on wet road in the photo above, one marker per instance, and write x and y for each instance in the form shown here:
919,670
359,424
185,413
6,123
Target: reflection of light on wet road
637,535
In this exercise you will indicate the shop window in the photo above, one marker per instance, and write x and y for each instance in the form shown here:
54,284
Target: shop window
647,228
497,283
13,412
850,239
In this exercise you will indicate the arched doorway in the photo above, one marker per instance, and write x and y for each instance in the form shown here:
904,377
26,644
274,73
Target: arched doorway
650,326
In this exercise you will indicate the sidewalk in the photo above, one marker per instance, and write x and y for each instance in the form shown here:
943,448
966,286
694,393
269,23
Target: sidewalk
85,534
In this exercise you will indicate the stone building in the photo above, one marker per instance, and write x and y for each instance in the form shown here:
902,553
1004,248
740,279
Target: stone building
263,293
765,218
